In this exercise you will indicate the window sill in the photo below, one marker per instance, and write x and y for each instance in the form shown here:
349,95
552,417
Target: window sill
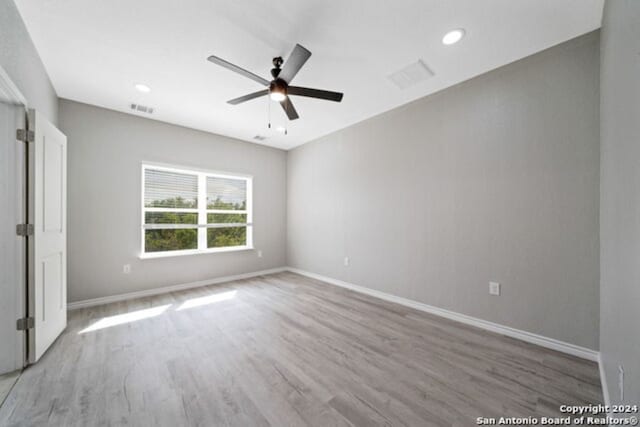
152,255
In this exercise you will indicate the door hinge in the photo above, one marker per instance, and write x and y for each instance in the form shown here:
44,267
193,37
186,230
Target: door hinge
25,135
25,323
24,230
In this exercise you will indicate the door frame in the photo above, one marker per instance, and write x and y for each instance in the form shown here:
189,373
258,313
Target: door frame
10,94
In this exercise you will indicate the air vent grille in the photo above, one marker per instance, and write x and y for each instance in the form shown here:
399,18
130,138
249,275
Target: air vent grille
141,108
411,75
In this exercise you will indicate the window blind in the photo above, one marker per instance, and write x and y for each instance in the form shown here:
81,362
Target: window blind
165,189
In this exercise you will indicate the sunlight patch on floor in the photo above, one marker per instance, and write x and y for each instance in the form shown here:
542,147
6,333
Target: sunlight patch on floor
209,299
119,319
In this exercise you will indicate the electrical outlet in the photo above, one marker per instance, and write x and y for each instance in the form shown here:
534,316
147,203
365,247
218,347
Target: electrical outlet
621,382
126,269
259,253
494,288
346,261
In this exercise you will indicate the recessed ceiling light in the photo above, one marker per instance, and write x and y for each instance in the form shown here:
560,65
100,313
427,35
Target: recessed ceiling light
453,36
281,129
143,88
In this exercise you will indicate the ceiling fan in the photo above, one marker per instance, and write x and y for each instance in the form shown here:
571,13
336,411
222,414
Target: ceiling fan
278,88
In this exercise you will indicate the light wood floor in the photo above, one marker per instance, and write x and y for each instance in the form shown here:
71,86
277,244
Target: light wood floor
285,350
6,382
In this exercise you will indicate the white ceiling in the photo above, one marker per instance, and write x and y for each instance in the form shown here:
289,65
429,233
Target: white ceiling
96,50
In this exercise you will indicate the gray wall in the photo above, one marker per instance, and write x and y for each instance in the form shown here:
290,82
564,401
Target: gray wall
19,58
105,150
495,179
620,197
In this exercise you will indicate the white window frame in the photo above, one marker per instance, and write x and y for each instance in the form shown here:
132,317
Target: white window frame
202,212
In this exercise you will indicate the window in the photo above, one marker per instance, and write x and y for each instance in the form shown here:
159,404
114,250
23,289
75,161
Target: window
188,211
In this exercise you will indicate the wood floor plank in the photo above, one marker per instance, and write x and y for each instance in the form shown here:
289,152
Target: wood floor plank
286,350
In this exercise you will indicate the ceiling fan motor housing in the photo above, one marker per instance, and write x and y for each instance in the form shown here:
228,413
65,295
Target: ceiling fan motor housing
278,86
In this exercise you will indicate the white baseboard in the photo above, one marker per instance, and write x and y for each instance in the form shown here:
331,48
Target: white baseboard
603,382
564,347
157,291
540,340
543,341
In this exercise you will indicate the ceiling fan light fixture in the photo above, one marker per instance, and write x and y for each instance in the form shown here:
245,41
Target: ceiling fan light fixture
278,90
278,96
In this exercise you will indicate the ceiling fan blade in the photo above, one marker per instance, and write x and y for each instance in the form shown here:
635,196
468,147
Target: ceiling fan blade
315,93
294,62
289,109
236,69
248,97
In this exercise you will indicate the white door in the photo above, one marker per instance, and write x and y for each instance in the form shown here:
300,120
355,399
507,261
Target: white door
48,244
12,249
